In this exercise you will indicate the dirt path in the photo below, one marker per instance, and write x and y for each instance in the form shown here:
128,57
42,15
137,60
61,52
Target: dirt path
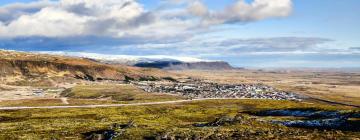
111,105
64,101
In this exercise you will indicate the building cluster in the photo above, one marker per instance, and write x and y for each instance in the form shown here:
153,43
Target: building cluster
200,89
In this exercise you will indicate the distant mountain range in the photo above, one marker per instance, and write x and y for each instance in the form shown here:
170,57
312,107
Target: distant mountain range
178,65
154,61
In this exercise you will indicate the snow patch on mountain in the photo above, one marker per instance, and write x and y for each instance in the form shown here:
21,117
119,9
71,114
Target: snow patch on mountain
127,59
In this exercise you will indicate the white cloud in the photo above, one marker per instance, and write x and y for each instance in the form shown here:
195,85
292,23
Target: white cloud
253,46
242,11
126,18
15,10
198,8
121,10
74,17
47,22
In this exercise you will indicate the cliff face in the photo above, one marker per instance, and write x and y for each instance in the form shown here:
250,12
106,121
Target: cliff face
177,65
31,68
36,65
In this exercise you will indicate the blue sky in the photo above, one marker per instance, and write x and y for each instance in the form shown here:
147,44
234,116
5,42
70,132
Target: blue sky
256,33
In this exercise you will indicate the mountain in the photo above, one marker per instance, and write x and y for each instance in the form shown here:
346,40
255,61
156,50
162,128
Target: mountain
178,65
34,65
154,61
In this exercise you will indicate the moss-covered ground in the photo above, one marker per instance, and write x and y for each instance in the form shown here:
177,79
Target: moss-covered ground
120,93
171,120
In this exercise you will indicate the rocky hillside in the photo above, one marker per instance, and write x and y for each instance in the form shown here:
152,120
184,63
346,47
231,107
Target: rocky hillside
39,65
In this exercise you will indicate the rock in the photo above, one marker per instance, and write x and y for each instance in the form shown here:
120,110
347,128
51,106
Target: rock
222,121
316,119
130,124
100,135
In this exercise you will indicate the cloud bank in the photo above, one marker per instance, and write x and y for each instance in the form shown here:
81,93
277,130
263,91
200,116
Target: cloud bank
71,18
124,18
242,11
173,28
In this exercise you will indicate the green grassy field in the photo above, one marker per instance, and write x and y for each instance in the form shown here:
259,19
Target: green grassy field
172,120
119,93
54,102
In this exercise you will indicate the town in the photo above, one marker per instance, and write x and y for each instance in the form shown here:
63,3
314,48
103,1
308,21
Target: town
197,89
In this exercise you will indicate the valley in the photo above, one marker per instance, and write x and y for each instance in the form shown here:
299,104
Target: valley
330,85
179,70
59,97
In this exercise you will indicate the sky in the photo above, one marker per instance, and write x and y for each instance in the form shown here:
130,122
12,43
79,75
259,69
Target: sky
245,33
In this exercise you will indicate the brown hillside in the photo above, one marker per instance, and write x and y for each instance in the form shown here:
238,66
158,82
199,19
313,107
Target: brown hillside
33,65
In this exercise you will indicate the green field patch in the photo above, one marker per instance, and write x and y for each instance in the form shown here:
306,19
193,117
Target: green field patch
121,93
166,120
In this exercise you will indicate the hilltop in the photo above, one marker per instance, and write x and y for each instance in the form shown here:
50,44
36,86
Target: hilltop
34,65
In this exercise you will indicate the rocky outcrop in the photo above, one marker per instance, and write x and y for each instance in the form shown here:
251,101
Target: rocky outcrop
319,119
115,130
41,68
225,120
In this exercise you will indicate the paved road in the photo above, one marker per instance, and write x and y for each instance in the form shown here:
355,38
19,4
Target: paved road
111,105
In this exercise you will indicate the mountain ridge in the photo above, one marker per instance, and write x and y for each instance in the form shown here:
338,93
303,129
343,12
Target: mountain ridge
153,61
178,65
32,65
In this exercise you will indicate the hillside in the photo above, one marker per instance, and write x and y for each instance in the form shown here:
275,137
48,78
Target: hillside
32,65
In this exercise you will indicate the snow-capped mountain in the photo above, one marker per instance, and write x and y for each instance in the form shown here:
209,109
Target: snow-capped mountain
153,61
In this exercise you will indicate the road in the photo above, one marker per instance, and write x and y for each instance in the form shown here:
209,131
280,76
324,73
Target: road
110,105
133,104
